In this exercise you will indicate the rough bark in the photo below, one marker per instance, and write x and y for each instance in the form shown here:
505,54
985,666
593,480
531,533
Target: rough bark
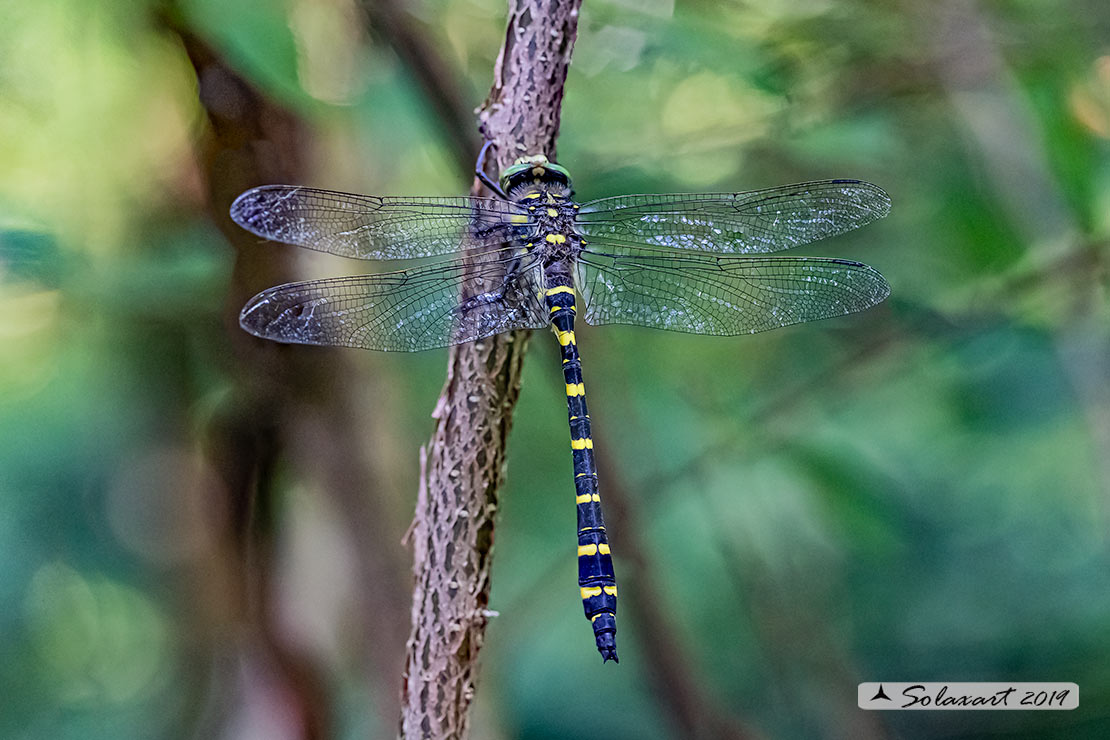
462,468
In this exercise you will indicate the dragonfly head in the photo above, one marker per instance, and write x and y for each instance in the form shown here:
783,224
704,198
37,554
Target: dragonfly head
533,171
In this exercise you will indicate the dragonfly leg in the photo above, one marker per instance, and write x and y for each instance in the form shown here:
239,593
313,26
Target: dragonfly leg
480,172
482,299
493,296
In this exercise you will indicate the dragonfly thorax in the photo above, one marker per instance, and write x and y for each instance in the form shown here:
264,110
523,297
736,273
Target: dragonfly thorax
549,229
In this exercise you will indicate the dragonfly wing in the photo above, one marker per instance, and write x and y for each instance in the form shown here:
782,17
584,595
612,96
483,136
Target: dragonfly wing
435,305
722,295
370,227
754,222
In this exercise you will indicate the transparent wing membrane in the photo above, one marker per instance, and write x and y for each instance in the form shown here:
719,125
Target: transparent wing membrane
436,305
754,222
722,295
677,262
369,227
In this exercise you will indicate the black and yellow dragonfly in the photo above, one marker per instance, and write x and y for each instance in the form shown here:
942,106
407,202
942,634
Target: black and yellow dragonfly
684,262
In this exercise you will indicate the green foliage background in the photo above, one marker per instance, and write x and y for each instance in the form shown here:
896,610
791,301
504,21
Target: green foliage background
921,492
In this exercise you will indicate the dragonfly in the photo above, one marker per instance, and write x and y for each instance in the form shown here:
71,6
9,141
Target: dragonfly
521,259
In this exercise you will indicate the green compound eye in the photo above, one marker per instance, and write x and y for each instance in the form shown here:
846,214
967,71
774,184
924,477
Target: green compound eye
513,172
551,166
531,169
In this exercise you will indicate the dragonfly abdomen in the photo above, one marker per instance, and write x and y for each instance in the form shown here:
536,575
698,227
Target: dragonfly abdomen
596,579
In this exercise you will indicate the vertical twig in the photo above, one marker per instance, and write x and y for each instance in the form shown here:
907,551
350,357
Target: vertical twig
463,467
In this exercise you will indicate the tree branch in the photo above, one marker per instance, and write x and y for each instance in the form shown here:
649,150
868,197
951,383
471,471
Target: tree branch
463,468
442,86
678,687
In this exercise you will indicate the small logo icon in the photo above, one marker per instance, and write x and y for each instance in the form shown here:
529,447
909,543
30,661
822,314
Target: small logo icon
880,694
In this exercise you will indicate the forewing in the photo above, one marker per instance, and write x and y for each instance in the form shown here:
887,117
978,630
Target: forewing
754,222
722,295
436,305
370,227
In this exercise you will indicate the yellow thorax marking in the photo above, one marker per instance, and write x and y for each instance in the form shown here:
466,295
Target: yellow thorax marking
576,389
582,444
556,238
532,195
552,212
519,218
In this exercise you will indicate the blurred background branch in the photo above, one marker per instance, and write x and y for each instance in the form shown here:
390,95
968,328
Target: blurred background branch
441,86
